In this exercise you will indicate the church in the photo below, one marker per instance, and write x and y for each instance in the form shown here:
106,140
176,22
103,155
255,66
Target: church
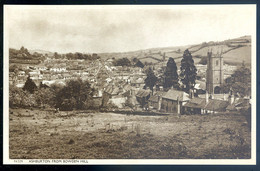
215,74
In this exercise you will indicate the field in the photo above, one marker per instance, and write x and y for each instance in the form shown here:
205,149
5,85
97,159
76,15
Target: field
242,53
38,134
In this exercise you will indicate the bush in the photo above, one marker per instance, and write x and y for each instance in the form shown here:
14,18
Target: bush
21,98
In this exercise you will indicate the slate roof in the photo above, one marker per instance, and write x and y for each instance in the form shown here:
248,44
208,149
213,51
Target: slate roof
231,108
137,80
216,105
212,105
196,103
216,96
155,98
143,93
113,90
174,94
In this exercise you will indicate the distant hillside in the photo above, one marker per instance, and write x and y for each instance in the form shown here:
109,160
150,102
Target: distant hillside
41,52
234,52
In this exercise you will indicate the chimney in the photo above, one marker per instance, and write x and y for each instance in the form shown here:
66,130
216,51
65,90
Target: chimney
154,90
211,96
224,97
191,94
207,97
178,106
159,103
231,99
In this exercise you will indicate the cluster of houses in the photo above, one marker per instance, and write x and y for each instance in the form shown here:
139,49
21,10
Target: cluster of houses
123,86
208,98
172,101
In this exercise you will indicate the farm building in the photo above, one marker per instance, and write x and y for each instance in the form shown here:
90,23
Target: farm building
173,100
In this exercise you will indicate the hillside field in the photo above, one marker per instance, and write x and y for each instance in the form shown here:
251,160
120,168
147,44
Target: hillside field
38,134
234,51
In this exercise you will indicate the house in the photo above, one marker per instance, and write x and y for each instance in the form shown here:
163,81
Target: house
142,96
173,100
200,87
155,100
137,82
21,74
216,106
114,95
238,104
216,96
205,105
194,106
62,69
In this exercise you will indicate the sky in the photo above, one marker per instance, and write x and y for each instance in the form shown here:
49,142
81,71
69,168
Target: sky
97,29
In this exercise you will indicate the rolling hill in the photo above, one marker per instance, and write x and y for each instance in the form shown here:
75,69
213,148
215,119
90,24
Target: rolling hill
234,52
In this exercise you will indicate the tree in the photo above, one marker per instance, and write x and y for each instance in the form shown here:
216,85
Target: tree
20,98
44,97
151,79
75,95
139,64
239,82
203,60
170,77
29,85
188,71
15,96
122,62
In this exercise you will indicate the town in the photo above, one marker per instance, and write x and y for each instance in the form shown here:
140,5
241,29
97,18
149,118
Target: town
129,84
121,83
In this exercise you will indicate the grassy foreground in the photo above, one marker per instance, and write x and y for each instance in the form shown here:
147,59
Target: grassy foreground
77,135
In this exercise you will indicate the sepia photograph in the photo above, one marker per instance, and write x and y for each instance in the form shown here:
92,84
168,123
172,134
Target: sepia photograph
130,84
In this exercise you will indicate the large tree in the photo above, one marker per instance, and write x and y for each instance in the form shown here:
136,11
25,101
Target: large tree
122,62
30,85
44,97
188,71
151,79
170,75
76,94
239,82
20,98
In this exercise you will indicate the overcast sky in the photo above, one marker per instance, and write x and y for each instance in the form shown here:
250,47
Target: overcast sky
90,29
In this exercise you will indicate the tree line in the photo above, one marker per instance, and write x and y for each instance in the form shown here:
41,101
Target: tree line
171,78
76,94
76,55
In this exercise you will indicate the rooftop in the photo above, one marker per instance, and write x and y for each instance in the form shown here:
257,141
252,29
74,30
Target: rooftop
175,94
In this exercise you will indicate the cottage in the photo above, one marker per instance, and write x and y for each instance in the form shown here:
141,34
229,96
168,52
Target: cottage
115,95
238,104
195,106
173,100
155,100
142,97
137,82
205,105
216,106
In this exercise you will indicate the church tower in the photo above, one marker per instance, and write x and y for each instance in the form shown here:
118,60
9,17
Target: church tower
215,74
